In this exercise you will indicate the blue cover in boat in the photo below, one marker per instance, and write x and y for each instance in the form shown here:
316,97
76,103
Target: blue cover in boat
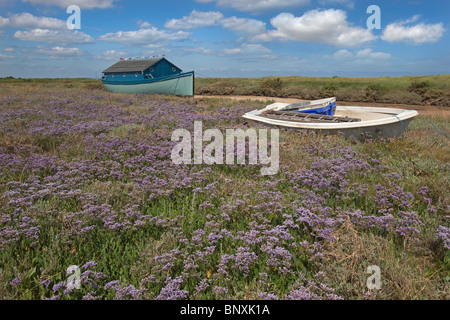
326,111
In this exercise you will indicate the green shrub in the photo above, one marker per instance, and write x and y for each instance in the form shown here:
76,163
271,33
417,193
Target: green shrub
350,94
419,87
429,95
401,97
271,87
374,92
329,90
310,93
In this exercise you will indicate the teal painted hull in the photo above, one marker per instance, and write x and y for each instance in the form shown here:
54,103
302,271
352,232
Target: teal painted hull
179,86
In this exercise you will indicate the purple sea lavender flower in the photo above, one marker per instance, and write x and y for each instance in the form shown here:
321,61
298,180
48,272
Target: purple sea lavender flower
124,293
91,296
244,259
15,282
89,265
46,283
59,286
220,290
172,290
200,287
302,294
407,224
213,237
268,296
443,233
111,284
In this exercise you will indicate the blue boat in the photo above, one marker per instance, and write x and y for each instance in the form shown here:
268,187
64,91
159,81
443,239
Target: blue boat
325,107
155,75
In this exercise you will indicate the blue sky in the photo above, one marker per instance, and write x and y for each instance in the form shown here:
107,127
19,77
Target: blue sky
227,38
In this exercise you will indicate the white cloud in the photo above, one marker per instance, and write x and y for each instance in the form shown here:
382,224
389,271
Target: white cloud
343,54
258,6
5,57
147,35
112,55
58,52
327,26
255,48
370,55
244,26
28,21
9,50
202,50
418,34
144,24
155,48
269,57
414,18
213,18
230,52
223,52
43,29
195,20
364,55
63,37
83,4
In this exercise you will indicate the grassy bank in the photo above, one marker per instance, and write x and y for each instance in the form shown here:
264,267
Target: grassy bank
431,90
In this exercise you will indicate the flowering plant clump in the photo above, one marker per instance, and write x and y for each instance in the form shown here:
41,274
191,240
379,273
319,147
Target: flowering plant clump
83,180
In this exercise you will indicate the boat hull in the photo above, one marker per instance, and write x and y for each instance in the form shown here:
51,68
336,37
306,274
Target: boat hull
375,122
181,85
383,131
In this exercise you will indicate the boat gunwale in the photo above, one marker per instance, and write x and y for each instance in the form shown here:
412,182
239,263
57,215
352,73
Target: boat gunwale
309,105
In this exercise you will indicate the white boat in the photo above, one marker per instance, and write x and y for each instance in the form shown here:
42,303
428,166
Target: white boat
350,121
